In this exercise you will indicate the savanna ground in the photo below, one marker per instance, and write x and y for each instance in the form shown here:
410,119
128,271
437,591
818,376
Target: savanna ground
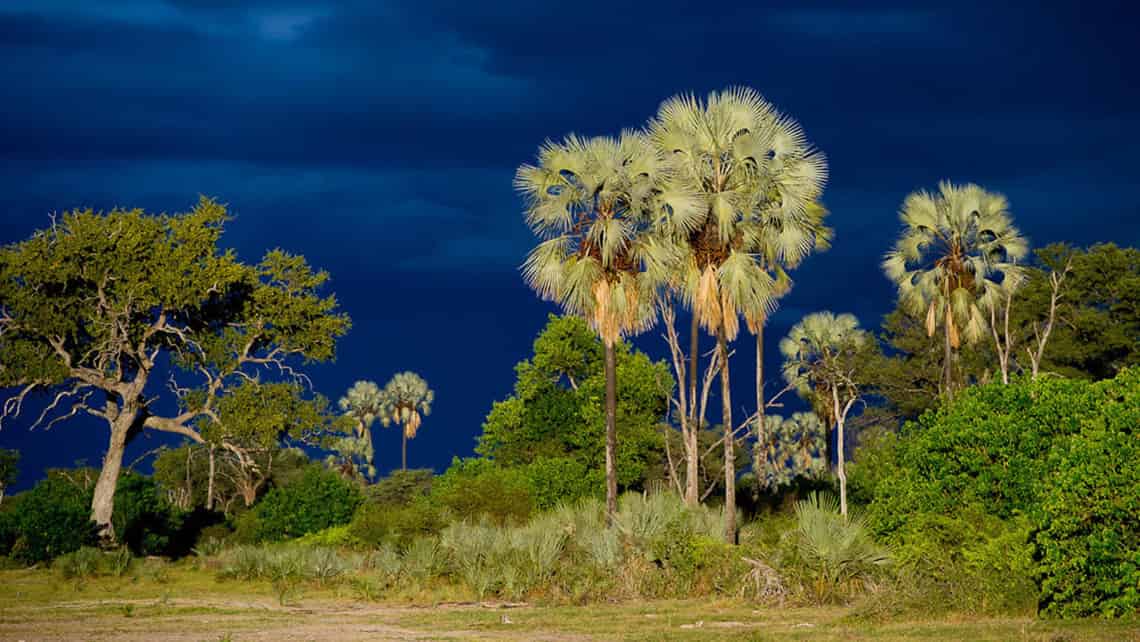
172,603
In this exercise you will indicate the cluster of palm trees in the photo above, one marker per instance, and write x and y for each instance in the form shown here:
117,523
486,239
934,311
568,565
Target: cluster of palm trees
405,400
711,204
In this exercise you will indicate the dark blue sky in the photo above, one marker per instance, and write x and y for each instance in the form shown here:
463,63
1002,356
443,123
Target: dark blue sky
380,138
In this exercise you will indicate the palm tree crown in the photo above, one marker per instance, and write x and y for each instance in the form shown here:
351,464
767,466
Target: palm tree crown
593,202
756,177
957,252
818,349
407,399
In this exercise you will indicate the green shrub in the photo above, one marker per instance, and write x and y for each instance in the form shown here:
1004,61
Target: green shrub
836,553
144,521
401,487
553,480
331,537
477,488
85,562
1089,539
375,524
52,519
319,499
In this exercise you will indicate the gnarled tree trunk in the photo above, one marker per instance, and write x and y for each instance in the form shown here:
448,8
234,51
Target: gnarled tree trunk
103,500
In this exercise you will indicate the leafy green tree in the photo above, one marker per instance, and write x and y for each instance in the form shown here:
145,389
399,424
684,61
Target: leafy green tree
319,499
752,176
593,202
795,448
92,307
9,469
1096,332
957,257
53,518
554,411
822,355
407,399
364,403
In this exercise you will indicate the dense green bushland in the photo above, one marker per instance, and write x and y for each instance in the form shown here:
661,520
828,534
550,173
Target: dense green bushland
1015,487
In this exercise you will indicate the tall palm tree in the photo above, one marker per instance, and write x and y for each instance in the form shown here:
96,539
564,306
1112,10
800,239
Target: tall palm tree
822,354
593,203
407,399
957,249
768,248
364,403
756,176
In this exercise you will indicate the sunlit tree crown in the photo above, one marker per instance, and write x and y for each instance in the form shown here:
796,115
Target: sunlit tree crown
758,182
817,348
364,401
407,399
957,255
594,202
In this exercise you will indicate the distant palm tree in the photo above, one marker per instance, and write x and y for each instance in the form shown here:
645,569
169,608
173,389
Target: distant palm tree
822,354
364,402
593,202
407,400
957,249
796,447
756,177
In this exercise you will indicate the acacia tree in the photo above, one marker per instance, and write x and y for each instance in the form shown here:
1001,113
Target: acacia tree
92,307
364,404
755,176
955,259
406,400
822,355
593,203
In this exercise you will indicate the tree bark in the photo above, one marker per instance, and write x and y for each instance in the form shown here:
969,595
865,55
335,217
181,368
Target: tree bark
103,500
210,483
947,386
403,449
611,433
729,442
839,466
760,432
692,463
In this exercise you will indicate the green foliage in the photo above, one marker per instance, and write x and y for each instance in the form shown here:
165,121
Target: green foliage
792,448
144,522
556,410
475,488
1089,539
395,524
318,500
836,552
401,487
53,518
9,468
553,480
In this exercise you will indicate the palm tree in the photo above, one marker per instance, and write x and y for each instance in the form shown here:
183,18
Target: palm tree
756,176
822,354
795,448
957,249
407,399
364,403
593,202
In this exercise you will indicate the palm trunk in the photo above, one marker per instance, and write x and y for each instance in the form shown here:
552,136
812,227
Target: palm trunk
839,466
692,462
103,500
729,442
760,436
947,386
403,449
611,433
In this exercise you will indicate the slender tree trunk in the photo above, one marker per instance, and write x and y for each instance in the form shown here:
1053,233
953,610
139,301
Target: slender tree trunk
839,466
210,483
947,359
103,500
403,449
729,442
760,432
692,461
611,432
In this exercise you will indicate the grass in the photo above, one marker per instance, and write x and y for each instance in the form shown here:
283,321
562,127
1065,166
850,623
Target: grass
191,604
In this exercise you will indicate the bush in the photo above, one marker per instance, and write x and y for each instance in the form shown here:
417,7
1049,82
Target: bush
837,554
319,499
401,487
1089,539
375,524
52,519
476,488
553,480
143,520
81,563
